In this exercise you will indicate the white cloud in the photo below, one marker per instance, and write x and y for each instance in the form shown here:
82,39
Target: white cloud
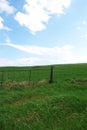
84,36
7,39
2,26
84,22
31,61
6,7
43,51
78,28
43,56
6,62
38,12
34,61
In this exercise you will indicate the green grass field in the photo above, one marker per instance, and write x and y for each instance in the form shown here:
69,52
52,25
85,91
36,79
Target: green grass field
61,105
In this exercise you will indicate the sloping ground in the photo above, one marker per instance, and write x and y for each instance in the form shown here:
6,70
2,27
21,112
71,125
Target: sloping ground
58,106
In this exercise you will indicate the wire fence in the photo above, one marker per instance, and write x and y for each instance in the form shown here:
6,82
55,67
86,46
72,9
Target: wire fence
26,77
30,76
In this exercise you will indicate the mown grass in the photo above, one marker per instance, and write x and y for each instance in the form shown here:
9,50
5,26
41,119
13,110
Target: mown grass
58,106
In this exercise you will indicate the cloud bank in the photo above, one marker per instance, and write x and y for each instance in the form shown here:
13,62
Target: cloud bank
38,55
38,12
44,51
41,55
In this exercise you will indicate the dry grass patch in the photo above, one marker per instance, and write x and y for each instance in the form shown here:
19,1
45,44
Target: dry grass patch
42,82
15,84
78,81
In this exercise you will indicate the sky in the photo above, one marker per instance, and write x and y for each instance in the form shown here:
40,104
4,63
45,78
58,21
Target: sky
43,32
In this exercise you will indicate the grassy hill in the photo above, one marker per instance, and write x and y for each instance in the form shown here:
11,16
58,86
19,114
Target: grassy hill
61,105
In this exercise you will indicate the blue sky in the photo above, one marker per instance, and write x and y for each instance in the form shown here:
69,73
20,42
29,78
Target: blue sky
41,32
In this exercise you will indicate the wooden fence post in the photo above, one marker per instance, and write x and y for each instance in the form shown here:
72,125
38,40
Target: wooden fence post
51,75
